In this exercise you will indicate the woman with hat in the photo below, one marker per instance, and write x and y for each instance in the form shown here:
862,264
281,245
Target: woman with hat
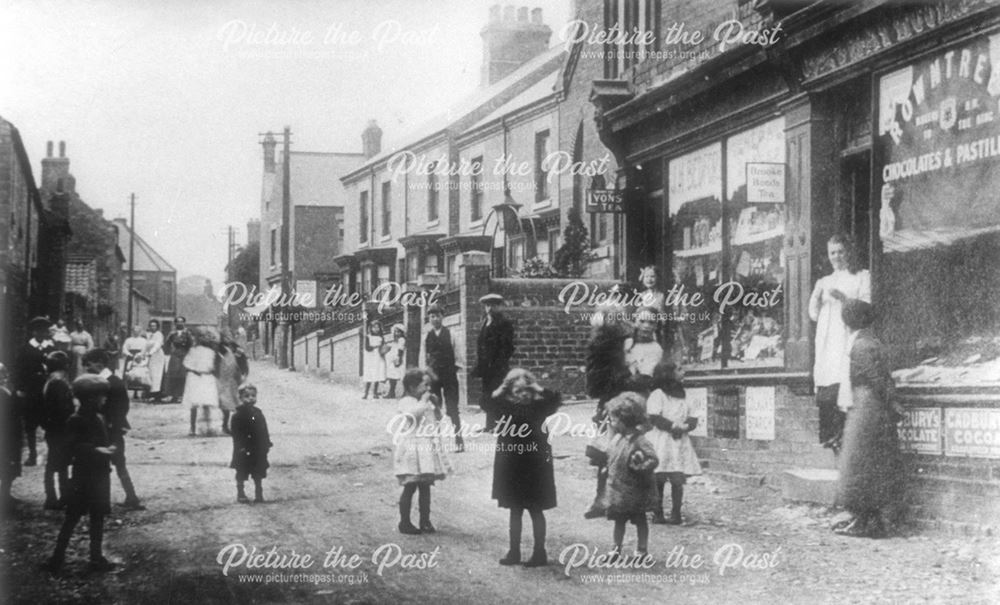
395,359
177,345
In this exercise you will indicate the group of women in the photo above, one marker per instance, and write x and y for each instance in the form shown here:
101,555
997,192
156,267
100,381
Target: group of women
146,363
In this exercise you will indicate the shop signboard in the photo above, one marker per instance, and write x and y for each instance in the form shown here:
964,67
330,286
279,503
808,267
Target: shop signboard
939,141
605,200
973,432
765,183
920,430
697,400
760,413
305,289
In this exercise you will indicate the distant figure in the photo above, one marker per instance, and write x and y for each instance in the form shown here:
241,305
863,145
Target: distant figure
251,443
30,376
374,360
395,359
177,345
80,342
494,348
157,360
231,371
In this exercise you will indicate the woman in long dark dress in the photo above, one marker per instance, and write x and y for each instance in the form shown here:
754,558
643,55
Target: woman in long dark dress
177,345
523,478
870,463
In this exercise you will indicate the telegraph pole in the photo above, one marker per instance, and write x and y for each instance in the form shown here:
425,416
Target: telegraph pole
131,259
286,213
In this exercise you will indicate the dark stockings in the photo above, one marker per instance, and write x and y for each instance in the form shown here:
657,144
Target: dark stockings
641,530
96,535
538,531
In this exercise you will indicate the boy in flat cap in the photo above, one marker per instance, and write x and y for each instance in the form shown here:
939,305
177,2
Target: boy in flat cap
58,398
29,380
90,485
494,349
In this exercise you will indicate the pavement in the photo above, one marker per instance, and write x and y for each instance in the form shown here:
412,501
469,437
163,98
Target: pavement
327,533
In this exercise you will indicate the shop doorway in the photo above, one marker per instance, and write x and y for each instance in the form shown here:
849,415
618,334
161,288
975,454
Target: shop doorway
856,202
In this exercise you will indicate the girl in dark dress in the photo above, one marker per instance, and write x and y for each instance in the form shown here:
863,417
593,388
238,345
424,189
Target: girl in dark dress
251,443
522,467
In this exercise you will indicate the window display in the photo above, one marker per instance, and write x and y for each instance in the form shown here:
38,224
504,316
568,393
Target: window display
937,166
728,251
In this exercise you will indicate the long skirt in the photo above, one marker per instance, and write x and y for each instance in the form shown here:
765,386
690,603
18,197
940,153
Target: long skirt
157,361
870,463
173,385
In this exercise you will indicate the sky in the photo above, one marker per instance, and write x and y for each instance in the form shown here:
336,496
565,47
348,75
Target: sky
167,100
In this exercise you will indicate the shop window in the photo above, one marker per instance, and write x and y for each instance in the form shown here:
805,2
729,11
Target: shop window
727,250
515,253
432,194
476,189
541,169
386,208
363,219
935,182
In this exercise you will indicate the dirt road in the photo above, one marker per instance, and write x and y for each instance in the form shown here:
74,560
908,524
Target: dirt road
332,497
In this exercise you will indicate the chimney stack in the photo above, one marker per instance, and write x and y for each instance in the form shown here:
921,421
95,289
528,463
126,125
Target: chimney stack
371,140
55,173
511,40
269,145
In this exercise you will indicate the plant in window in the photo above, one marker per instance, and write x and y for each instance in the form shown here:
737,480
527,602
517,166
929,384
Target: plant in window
537,268
571,259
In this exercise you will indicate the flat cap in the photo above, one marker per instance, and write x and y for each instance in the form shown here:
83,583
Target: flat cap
492,298
90,384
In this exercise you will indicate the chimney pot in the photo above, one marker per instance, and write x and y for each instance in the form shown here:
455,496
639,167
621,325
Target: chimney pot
62,149
522,14
508,13
48,149
536,16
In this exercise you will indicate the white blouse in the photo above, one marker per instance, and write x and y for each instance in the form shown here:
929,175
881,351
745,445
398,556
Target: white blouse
831,333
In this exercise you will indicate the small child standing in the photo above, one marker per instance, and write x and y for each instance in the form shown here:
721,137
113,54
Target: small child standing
90,485
671,418
631,460
419,459
251,442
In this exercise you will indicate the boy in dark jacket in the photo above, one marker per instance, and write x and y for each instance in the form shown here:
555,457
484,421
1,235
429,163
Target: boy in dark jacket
251,442
58,405
116,414
90,486
10,440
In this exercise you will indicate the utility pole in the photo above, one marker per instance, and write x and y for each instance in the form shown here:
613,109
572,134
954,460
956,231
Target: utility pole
131,259
286,212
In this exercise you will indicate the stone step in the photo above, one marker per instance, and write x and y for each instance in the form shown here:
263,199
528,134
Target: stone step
818,485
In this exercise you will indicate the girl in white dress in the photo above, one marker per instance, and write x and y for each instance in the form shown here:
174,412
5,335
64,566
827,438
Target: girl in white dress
395,359
826,304
642,352
374,360
200,390
671,418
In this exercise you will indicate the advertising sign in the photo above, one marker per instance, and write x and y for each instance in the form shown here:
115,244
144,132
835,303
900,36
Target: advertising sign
972,432
920,430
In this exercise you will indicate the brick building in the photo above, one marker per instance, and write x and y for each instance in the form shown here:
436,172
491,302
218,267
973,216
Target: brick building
742,155
32,244
154,279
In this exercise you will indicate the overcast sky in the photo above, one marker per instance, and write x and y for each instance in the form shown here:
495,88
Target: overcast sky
166,99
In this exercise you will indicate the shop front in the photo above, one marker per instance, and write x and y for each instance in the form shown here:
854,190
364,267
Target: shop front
881,122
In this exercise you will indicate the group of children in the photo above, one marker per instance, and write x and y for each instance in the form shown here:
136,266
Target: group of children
384,359
643,440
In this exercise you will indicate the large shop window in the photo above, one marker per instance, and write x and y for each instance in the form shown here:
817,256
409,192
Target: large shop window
937,171
728,252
